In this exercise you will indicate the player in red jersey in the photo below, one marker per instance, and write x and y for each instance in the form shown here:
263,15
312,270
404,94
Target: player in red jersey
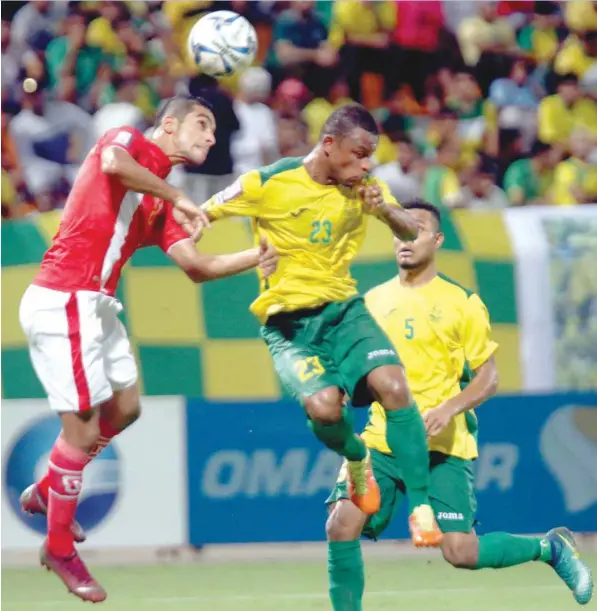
80,350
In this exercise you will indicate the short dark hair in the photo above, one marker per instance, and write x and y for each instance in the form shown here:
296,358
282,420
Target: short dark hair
348,118
179,106
420,204
567,79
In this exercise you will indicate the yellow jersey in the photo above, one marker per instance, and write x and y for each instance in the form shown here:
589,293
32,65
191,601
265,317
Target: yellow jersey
317,230
571,173
556,121
441,332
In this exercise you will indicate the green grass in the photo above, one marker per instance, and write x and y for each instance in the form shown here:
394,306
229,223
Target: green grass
400,585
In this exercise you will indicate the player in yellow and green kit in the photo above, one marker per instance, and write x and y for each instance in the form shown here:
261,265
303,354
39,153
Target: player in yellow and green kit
323,341
442,333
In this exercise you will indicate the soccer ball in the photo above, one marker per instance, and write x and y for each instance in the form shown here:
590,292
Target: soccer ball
222,43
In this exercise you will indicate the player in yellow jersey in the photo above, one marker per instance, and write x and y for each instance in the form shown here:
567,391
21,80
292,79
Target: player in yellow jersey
442,333
323,341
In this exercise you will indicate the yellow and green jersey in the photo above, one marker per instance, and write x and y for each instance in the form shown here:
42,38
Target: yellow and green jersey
442,334
317,229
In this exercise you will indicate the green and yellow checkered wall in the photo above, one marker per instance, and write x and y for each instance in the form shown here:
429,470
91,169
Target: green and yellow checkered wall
201,340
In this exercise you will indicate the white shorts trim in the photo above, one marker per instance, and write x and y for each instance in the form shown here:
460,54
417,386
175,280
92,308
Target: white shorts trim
79,348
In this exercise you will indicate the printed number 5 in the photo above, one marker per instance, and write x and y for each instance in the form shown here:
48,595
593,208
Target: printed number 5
409,330
319,228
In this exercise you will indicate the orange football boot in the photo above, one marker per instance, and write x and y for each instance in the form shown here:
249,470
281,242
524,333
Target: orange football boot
362,486
424,530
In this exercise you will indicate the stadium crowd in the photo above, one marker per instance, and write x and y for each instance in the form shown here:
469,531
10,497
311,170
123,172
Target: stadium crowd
481,104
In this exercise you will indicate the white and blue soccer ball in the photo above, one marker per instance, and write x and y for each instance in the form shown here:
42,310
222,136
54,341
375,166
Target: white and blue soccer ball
222,43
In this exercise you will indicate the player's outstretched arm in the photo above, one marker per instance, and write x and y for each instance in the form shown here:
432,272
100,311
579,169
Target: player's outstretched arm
117,162
402,224
200,267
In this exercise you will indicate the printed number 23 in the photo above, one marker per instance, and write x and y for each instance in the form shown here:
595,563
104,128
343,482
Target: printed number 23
409,330
321,233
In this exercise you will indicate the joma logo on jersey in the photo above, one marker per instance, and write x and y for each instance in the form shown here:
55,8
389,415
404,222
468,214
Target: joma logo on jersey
445,515
374,354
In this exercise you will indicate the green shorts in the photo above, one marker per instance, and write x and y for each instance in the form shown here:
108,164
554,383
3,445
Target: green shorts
451,492
337,344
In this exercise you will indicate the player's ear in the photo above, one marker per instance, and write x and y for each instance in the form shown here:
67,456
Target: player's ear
439,240
169,124
326,144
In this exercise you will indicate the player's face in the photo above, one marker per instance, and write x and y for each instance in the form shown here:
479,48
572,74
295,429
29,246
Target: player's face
350,157
411,255
195,135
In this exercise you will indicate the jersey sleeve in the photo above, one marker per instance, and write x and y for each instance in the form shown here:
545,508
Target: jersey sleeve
476,333
166,232
241,198
127,138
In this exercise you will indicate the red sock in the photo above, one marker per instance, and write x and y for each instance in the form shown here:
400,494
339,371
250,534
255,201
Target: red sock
107,433
65,474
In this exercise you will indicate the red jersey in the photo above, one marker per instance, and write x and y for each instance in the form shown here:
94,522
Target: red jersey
103,224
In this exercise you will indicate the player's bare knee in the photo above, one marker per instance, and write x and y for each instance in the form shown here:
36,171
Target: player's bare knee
325,406
81,430
460,550
344,523
392,392
123,409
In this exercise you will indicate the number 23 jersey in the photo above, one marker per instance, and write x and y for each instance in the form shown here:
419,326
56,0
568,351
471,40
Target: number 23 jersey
317,229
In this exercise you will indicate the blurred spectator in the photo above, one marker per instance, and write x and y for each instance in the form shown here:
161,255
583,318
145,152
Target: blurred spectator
441,185
560,114
181,16
10,61
291,97
42,149
527,180
481,192
122,111
464,99
70,55
485,40
516,101
36,16
130,70
292,136
101,31
514,90
361,31
516,11
575,180
540,37
319,109
300,47
403,175
16,198
216,173
417,37
256,142
578,55
580,15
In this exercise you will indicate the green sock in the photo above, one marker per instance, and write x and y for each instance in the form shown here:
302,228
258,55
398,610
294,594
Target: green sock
346,575
501,550
407,439
340,437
